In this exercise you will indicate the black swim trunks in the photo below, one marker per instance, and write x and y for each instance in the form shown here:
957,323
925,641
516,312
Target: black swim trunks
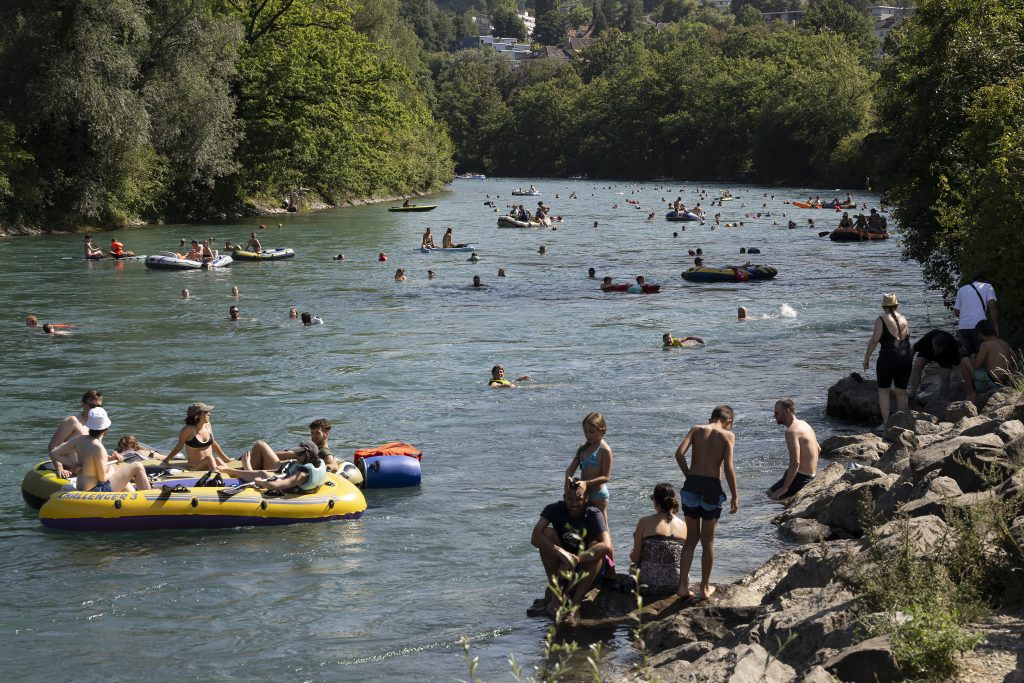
702,497
799,482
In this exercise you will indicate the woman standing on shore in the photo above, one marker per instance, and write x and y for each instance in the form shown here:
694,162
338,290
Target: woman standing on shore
196,437
895,359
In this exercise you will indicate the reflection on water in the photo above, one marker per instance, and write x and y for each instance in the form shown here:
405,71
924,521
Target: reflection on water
387,597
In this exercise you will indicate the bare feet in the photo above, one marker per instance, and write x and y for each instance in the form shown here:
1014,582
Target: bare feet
573,618
684,593
706,593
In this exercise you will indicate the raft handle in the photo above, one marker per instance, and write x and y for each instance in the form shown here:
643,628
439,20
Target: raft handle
195,502
117,505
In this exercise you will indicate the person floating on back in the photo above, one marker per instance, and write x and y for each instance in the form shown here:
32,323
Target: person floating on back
702,496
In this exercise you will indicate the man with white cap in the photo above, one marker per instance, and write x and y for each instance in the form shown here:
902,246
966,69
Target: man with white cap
97,472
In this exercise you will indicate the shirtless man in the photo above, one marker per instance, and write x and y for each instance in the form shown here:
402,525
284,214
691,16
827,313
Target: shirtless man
448,241
803,451
702,496
428,240
70,427
263,457
195,253
990,369
92,252
97,473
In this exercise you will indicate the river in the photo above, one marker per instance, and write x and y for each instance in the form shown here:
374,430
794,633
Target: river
388,596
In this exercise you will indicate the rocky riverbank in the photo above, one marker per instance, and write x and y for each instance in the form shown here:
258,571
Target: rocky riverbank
890,502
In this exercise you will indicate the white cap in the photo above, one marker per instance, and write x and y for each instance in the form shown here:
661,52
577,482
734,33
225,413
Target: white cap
98,419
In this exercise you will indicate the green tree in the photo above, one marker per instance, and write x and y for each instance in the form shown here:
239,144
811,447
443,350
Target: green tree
675,10
506,21
632,13
748,15
951,107
842,18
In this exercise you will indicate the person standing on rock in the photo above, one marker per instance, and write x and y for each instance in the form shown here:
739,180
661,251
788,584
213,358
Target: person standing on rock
702,496
803,447
975,301
896,357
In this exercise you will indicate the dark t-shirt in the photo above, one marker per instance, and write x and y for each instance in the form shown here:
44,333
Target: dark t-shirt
571,530
949,357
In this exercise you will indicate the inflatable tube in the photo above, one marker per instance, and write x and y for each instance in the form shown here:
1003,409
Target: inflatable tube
389,471
744,274
413,207
167,260
535,193
646,288
684,216
509,222
200,508
265,255
443,250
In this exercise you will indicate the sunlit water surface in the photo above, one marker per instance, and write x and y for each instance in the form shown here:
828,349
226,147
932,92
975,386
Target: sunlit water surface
388,597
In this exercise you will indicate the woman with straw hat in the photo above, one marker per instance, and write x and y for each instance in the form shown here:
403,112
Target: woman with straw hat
896,357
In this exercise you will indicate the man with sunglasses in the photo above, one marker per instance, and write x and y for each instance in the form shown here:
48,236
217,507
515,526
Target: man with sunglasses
72,426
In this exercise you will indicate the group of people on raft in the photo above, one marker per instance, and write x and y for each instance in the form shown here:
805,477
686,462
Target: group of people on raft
872,224
77,450
447,240
94,253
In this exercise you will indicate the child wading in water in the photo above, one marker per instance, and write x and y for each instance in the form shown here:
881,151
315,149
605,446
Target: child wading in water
594,460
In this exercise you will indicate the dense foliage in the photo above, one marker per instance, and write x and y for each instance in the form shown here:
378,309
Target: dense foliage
689,100
116,109
952,124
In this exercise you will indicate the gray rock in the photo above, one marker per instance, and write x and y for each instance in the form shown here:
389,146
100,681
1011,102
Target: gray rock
871,661
1013,487
909,419
802,531
859,475
822,485
1015,451
993,400
960,409
925,535
816,674
805,621
816,567
686,653
742,664
898,494
965,423
857,447
932,457
846,510
935,405
976,466
854,398
767,576
1017,531
988,426
944,487
698,622
1010,430
903,446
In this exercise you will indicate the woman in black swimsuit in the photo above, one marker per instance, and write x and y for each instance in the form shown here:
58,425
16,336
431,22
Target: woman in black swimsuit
196,437
896,357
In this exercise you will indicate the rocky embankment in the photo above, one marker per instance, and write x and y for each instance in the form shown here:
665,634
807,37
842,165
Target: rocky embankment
792,619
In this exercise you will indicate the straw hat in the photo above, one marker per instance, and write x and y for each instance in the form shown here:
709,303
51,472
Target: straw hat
889,300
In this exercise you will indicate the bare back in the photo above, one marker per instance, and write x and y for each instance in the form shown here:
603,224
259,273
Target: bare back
70,427
93,456
711,447
801,438
996,355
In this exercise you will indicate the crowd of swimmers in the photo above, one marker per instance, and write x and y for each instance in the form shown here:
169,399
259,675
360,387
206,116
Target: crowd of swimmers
573,537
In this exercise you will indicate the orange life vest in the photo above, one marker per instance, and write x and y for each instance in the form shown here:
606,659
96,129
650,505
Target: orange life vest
392,448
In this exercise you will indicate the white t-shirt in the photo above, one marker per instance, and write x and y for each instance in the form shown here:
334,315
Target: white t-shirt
969,303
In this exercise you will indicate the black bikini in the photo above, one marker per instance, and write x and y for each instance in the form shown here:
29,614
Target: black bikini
194,442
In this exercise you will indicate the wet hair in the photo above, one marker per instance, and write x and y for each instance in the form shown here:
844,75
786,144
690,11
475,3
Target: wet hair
665,498
97,432
597,420
128,442
307,318
787,403
494,371
321,423
985,327
722,413
92,395
47,327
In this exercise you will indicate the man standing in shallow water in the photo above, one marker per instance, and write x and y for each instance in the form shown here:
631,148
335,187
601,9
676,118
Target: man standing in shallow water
803,451
702,496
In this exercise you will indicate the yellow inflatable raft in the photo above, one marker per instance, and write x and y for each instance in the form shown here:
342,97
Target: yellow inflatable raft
42,481
197,507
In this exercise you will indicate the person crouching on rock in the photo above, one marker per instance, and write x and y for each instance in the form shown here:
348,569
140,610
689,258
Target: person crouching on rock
572,537
803,452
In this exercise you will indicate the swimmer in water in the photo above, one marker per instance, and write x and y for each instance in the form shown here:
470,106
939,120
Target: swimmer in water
498,380
668,341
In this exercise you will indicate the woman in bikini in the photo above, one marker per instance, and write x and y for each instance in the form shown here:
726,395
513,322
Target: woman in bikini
594,460
196,437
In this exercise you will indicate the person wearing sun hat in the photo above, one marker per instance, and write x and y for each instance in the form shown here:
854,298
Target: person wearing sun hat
196,437
98,473
896,357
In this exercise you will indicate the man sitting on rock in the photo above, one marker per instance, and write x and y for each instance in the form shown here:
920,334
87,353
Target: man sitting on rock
803,452
562,530
990,369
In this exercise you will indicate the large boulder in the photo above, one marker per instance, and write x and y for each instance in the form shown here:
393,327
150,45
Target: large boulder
742,664
700,622
801,530
1010,430
854,398
816,568
911,419
805,621
958,410
816,674
767,576
866,448
823,485
976,466
871,661
849,509
932,457
858,474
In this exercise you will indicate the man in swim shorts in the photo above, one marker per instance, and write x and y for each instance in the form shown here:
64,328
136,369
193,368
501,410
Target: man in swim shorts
702,496
803,451
564,528
97,472
990,369
70,427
